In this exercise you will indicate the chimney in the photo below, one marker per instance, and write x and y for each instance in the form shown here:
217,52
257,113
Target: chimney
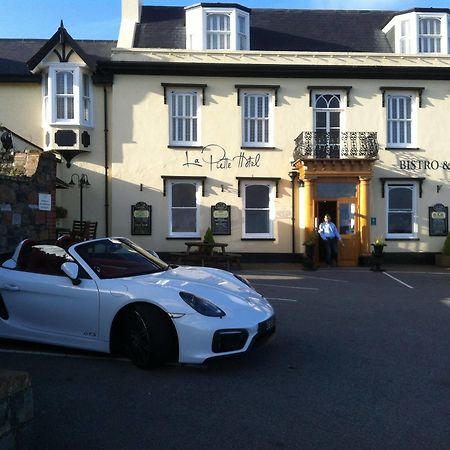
131,15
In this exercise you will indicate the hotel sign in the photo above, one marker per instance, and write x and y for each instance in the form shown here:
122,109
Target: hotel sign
423,164
438,220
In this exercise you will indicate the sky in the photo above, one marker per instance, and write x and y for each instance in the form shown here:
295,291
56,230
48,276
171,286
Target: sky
100,19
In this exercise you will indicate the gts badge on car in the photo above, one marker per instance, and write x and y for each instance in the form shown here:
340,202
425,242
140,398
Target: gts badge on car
89,334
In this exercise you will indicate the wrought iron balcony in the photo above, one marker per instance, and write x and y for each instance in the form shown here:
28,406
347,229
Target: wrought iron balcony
340,145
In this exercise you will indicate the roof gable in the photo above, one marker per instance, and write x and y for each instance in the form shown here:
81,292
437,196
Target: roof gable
63,39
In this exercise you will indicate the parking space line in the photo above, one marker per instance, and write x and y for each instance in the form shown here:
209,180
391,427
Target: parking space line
62,355
285,287
291,300
398,281
299,277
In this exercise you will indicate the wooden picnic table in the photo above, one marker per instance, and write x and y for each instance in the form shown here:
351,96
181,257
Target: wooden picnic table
204,247
199,252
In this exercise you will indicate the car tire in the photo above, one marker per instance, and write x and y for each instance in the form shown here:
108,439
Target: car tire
149,339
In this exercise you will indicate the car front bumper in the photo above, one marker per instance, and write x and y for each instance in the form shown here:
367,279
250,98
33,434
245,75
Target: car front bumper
199,342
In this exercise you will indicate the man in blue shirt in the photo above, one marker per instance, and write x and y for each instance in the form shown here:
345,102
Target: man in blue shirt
330,235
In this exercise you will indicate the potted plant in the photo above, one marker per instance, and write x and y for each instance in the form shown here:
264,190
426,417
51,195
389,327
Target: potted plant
208,238
378,245
443,259
377,253
310,245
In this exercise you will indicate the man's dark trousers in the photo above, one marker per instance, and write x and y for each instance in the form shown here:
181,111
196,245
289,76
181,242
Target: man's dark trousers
331,251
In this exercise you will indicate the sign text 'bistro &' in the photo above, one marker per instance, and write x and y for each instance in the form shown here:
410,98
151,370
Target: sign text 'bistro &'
423,164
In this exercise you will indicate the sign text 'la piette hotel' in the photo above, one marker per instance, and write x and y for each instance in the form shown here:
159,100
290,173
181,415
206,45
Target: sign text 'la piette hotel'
254,122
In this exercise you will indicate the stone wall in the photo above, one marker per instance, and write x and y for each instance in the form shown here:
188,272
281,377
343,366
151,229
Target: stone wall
21,214
16,410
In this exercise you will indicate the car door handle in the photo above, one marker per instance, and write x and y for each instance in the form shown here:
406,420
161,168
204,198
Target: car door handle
11,287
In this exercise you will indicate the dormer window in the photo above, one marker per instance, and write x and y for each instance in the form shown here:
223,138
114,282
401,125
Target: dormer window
217,28
67,96
420,31
405,40
429,35
243,37
218,31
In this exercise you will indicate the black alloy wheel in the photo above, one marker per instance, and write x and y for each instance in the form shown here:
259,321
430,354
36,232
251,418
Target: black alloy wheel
148,337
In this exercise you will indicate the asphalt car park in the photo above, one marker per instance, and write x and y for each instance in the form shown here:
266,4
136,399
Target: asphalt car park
360,360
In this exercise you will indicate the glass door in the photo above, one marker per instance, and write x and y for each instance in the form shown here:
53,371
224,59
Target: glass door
347,226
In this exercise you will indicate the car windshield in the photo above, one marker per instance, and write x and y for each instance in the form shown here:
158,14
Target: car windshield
117,258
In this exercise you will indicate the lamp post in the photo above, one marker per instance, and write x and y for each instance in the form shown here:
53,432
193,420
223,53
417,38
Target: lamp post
82,181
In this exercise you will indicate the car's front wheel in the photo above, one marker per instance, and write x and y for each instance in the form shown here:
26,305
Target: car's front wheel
149,340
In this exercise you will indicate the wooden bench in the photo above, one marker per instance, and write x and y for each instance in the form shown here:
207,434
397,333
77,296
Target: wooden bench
208,259
84,230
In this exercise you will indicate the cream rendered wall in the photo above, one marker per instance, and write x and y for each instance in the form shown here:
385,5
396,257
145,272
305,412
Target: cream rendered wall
433,120
21,111
141,153
141,123
92,163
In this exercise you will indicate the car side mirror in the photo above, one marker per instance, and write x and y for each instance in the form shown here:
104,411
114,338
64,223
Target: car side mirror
71,270
10,264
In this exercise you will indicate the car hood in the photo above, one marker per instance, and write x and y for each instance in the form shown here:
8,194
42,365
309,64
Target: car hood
218,286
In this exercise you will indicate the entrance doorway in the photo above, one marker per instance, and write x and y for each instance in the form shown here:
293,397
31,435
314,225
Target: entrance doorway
344,213
341,188
325,207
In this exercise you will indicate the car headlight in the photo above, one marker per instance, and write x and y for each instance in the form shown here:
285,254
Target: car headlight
244,280
201,305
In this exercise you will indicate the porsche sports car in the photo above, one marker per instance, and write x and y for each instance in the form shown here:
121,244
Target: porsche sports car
110,295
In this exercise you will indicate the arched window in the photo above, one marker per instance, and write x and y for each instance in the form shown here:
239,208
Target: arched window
327,125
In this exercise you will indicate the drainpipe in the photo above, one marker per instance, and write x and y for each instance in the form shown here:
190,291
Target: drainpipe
105,106
293,176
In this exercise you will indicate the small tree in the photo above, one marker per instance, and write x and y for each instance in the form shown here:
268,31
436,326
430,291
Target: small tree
446,247
209,237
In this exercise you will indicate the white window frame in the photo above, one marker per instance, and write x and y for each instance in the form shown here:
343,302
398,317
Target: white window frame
86,98
242,32
412,185
237,36
45,99
412,120
218,37
192,121
342,107
198,195
67,96
427,38
271,208
266,124
50,96
405,36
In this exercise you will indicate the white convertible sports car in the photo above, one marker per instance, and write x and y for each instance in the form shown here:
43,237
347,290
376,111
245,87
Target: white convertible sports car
110,295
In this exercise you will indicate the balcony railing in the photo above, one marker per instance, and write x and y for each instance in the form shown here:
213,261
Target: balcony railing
327,145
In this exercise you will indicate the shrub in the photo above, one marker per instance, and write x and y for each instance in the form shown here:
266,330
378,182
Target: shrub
209,237
61,212
310,237
446,248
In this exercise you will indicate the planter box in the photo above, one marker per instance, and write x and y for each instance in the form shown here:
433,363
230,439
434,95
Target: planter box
442,260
